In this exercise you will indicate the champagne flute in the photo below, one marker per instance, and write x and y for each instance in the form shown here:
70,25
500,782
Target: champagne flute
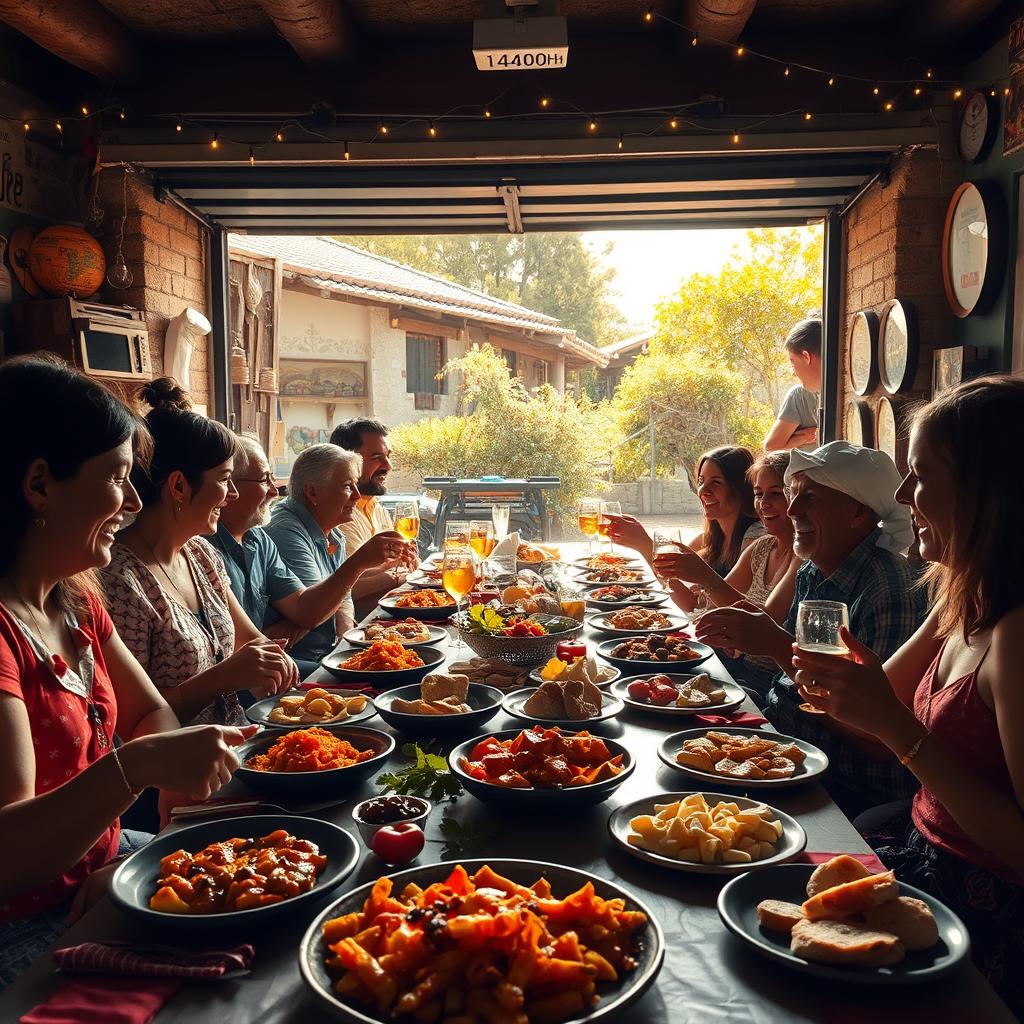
499,519
589,519
458,577
817,629
608,508
407,519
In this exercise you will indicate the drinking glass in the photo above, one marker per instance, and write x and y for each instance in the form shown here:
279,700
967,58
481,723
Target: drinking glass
481,537
664,543
456,536
817,629
458,577
589,519
608,508
499,519
407,519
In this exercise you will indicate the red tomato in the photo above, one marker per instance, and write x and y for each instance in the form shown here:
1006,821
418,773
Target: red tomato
663,695
398,843
639,689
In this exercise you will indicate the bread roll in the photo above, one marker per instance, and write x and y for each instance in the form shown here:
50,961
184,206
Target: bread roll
836,871
778,916
910,920
845,943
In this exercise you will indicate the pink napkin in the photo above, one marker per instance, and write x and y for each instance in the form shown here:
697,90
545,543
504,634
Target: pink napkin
105,1000
154,961
869,860
746,718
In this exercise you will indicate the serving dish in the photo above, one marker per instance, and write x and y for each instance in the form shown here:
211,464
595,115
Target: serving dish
735,695
382,679
648,597
790,844
635,666
437,635
737,907
134,881
259,713
485,702
815,761
639,576
512,705
599,621
520,650
615,996
331,780
396,611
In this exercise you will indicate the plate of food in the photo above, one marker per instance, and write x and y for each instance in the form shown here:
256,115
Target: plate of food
430,605
636,620
750,758
586,669
409,631
625,574
572,703
425,576
528,897
440,705
167,881
299,709
518,637
304,762
384,663
605,559
706,833
541,768
840,921
530,556
653,651
678,693
616,596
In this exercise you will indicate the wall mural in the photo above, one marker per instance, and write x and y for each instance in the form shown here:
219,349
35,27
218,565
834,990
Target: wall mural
300,438
312,342
322,378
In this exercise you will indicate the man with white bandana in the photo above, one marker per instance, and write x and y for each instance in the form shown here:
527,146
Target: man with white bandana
853,536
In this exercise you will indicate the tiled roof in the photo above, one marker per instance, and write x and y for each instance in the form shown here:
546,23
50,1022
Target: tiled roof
326,263
618,348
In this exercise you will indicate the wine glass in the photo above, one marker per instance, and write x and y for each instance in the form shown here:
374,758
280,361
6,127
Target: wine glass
608,508
817,629
407,519
458,577
664,543
499,519
481,537
456,535
589,518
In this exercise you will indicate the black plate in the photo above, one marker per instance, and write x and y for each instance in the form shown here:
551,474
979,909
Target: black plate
387,602
259,713
734,695
643,579
134,881
386,680
512,705
302,784
737,907
598,621
485,702
631,562
633,666
615,997
357,636
602,684
539,798
650,598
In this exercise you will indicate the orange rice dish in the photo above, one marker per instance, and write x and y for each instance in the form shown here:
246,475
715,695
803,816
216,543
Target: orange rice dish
383,656
308,750
424,599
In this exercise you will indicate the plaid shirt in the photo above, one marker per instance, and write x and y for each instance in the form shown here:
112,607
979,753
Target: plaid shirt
886,607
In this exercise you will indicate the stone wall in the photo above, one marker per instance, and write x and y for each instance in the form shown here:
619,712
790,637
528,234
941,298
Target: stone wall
654,497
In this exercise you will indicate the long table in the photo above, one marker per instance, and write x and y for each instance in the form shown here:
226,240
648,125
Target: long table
708,975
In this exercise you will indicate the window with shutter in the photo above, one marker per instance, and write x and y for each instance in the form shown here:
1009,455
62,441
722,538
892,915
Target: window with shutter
424,360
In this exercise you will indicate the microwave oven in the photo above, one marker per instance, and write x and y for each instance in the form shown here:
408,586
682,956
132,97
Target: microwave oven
103,341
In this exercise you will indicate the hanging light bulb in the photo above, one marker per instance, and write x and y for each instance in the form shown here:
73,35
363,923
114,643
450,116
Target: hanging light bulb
673,123
279,137
27,127
928,73
888,104
917,90
807,115
620,140
345,153
876,91
992,93
957,93
58,126
487,113
85,110
544,102
383,128
215,141
119,276
649,15
736,138
831,80
121,113
785,72
740,50
177,126
252,157
693,41
592,125
432,130
1006,91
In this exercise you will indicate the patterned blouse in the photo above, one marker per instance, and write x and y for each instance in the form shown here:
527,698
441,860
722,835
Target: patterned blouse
171,642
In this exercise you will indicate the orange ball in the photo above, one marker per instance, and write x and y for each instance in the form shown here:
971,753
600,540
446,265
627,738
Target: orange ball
66,260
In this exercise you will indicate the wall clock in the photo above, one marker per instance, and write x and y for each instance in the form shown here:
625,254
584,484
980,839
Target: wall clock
886,431
897,347
859,423
862,342
979,119
973,247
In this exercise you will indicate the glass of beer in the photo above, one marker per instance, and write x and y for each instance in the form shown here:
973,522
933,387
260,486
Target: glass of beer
817,629
589,517
664,543
481,537
456,535
499,519
407,519
458,577
608,508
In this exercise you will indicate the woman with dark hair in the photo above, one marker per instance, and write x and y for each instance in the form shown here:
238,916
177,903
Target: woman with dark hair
949,702
169,593
67,682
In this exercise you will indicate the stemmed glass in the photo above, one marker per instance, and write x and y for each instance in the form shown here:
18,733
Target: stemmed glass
458,577
499,519
817,629
481,540
407,519
456,535
589,520
608,508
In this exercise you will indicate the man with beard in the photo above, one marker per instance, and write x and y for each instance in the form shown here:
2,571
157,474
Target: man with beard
258,575
369,439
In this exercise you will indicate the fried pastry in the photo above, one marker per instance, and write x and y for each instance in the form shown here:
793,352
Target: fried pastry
846,943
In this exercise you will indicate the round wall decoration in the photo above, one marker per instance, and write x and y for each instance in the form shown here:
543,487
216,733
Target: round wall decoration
859,423
897,347
862,341
886,428
979,118
972,248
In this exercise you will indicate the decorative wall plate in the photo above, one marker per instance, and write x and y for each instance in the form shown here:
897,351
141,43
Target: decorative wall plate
979,119
897,347
886,428
972,248
860,425
863,338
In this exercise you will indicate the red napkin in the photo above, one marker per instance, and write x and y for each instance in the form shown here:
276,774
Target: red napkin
747,718
869,860
154,961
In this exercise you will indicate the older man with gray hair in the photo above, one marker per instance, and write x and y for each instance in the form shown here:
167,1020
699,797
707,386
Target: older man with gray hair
322,492
853,536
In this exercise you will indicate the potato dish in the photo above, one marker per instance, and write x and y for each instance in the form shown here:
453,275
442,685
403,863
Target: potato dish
315,707
737,756
408,631
425,599
634,617
237,874
480,950
693,830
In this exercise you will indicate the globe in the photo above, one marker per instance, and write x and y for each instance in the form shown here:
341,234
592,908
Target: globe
66,260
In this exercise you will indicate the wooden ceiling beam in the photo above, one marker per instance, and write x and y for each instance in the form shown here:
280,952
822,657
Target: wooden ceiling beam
319,31
81,32
723,20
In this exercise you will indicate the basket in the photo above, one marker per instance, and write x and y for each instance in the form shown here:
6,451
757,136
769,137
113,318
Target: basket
517,650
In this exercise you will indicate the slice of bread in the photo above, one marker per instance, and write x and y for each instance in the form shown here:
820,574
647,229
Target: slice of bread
546,701
909,919
852,897
842,942
779,916
836,871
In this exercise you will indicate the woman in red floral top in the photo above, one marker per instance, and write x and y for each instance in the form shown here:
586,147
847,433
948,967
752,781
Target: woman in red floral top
67,682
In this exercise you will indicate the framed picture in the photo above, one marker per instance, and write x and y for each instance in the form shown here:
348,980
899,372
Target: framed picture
322,378
973,248
1013,125
950,366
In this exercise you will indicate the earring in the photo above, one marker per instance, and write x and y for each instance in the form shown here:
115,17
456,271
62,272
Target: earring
177,508
40,521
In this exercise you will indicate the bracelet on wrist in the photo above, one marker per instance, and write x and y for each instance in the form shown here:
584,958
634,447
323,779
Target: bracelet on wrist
124,778
909,756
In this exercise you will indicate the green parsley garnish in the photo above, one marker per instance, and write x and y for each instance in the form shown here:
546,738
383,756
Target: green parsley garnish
428,777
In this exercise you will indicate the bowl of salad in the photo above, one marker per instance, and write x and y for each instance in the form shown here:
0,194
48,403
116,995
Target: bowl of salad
503,631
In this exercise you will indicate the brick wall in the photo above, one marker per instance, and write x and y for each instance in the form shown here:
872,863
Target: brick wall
164,250
893,237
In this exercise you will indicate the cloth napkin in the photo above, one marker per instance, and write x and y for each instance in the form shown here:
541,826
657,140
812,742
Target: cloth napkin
745,718
869,860
509,547
132,984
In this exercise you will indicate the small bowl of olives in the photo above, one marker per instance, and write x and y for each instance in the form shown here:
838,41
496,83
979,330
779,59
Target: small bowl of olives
373,814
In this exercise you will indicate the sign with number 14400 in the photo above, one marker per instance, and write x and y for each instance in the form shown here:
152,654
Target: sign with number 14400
519,60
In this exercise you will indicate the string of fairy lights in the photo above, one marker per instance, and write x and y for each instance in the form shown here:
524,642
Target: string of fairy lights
886,95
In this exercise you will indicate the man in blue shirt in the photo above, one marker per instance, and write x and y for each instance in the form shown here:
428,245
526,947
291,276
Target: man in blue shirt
274,597
852,534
